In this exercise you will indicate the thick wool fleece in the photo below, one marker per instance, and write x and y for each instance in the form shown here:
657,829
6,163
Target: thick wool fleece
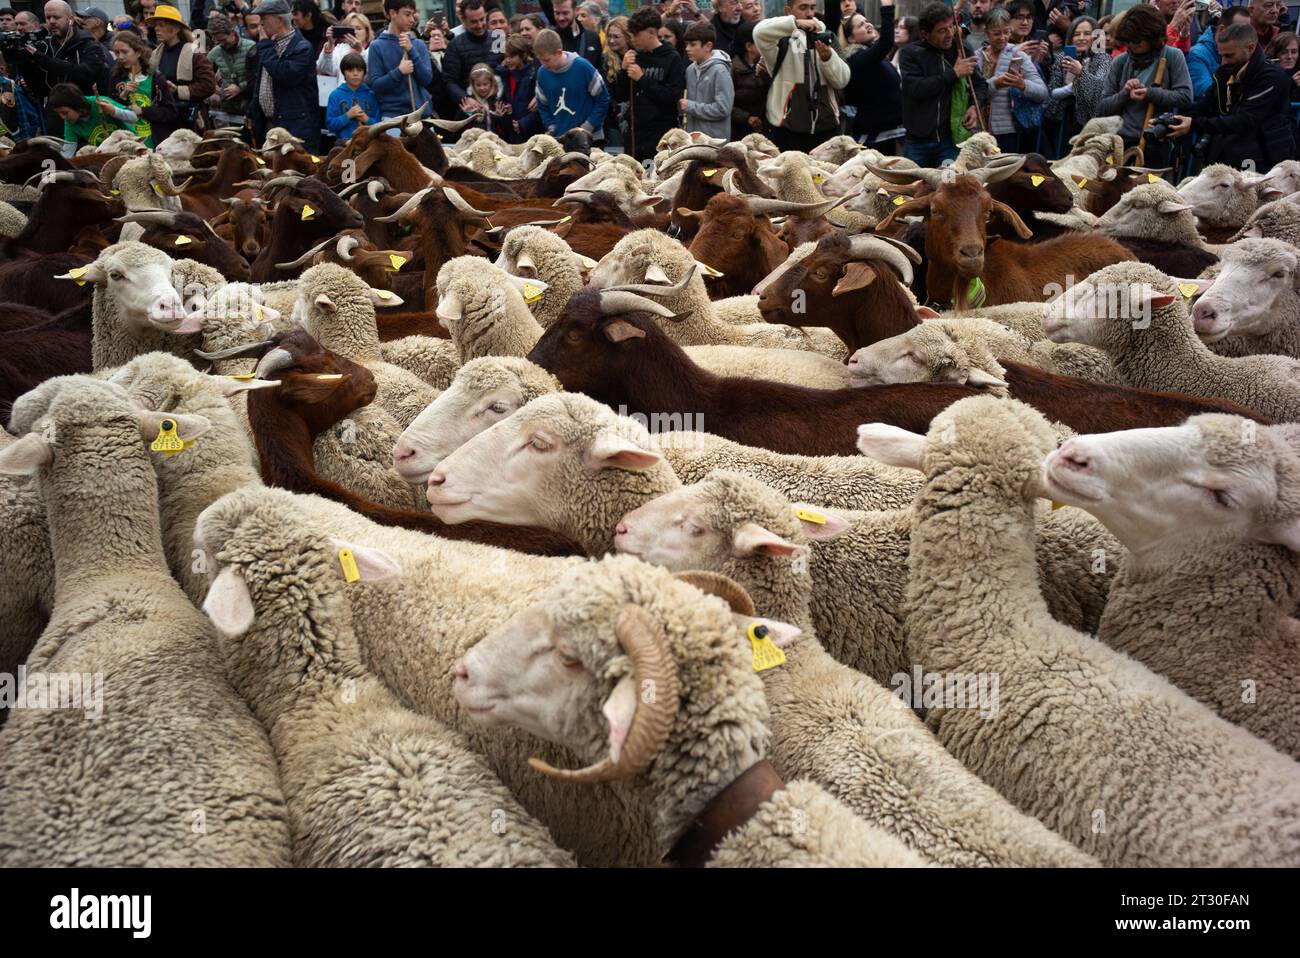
1279,219
367,782
1092,743
555,264
494,319
720,727
413,629
27,577
12,222
176,771
846,731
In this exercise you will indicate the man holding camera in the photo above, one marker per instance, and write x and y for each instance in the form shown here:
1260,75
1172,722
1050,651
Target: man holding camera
68,55
802,108
1244,112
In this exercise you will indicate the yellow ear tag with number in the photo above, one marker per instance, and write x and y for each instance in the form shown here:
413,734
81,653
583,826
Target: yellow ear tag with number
243,377
397,261
77,272
168,442
588,262
532,293
183,241
766,653
1037,180
349,564
900,200
1188,289
708,172
807,515
308,212
1152,178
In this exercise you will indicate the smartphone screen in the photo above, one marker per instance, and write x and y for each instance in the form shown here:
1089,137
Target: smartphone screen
1071,51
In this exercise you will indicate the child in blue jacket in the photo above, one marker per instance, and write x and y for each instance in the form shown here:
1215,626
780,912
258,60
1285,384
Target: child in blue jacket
518,75
352,102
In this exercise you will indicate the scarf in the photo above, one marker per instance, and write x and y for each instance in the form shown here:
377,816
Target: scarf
265,95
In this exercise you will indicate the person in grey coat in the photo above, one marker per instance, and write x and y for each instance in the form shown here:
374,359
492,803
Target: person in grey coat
709,90
1131,83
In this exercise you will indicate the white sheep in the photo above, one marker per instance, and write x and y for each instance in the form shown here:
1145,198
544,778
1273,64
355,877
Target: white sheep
1210,514
12,222
1137,315
484,309
1222,199
147,757
27,579
1076,720
367,782
1252,307
1279,219
143,182
570,669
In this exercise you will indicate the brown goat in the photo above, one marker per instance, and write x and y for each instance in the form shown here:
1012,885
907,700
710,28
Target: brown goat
244,223
188,236
294,230
237,163
963,262
68,203
624,359
736,242
318,388
702,180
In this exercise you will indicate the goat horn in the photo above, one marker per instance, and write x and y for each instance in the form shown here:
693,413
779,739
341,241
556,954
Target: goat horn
450,125
406,209
247,349
695,151
305,256
458,201
931,178
618,301
165,217
394,122
762,206
375,187
54,142
573,157
345,247
353,187
997,171
724,587
650,289
652,722
873,247
274,361
285,180
575,196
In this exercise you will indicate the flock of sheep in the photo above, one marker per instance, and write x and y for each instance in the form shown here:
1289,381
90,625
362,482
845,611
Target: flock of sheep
474,505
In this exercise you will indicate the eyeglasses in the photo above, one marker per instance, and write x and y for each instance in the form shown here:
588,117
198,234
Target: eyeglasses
1023,16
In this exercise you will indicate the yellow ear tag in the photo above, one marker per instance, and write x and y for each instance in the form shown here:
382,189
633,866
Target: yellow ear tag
900,200
397,261
708,172
564,220
818,179
77,272
308,212
349,564
807,515
183,241
1110,159
1188,289
588,262
168,442
260,161
1037,180
766,653
383,294
497,157
158,189
997,149
1057,505
532,293
115,192
710,271
315,159
243,377
1152,178
1082,181
328,377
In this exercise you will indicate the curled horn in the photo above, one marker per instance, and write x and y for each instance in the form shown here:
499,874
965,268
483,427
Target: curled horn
391,124
931,178
998,169
375,187
108,172
305,256
274,361
724,587
345,247
172,190
458,201
874,247
406,209
649,289
450,125
652,722
696,151
573,157
247,349
364,184
161,217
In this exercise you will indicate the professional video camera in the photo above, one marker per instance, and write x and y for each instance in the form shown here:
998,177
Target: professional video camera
14,44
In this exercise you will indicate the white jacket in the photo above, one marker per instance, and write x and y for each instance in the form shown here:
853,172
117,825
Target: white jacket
767,35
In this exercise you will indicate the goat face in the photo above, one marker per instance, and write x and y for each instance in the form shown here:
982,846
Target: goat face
960,211
584,349
800,293
330,213
1034,187
189,237
309,387
732,239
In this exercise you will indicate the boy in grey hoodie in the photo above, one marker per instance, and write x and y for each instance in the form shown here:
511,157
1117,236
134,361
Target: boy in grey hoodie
709,90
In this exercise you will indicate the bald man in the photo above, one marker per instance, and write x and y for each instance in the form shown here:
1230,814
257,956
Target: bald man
75,57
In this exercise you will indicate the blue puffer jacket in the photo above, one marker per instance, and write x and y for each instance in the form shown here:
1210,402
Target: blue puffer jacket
525,84
1202,62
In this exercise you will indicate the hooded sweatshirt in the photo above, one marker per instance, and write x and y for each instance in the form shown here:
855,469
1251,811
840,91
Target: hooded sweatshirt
709,96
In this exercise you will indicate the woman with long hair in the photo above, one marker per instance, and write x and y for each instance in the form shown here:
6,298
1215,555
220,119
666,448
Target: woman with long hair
673,31
1285,49
907,30
185,70
1006,69
618,40
134,82
1077,81
311,23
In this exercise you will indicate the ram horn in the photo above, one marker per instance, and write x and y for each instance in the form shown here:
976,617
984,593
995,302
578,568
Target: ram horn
247,349
652,721
695,151
407,209
305,256
282,180
345,247
762,206
160,217
650,289
619,301
931,178
167,188
383,126
724,587
274,361
458,201
874,247
108,172
582,197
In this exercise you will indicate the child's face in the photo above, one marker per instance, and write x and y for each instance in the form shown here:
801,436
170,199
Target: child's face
68,113
697,51
553,61
514,61
354,77
483,85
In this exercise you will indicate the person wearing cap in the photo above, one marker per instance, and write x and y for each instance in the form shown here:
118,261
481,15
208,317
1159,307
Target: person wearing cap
284,82
178,63
229,52
95,22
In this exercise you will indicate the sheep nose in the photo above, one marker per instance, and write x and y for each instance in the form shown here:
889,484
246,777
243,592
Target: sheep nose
621,529
403,452
854,362
437,478
1203,316
461,670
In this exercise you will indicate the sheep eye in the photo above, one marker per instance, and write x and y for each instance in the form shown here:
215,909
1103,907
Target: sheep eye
1279,274
117,275
1222,498
567,660
498,407
540,444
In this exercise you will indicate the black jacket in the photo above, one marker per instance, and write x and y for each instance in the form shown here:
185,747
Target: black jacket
751,97
873,88
927,79
655,106
466,51
1247,119
725,35
80,60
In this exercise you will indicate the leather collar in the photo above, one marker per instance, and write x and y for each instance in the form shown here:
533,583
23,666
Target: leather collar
730,809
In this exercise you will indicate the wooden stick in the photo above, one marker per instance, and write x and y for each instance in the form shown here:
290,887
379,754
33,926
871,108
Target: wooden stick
1151,108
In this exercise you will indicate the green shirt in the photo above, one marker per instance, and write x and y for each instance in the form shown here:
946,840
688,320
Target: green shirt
138,102
96,127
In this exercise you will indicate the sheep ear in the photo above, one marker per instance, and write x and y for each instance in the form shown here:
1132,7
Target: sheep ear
750,538
618,710
372,565
90,273
818,524
26,456
310,387
188,425
925,312
1170,207
611,451
856,276
979,379
449,309
891,445
229,604
781,633
230,386
382,297
621,329
1161,300
325,303
654,274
